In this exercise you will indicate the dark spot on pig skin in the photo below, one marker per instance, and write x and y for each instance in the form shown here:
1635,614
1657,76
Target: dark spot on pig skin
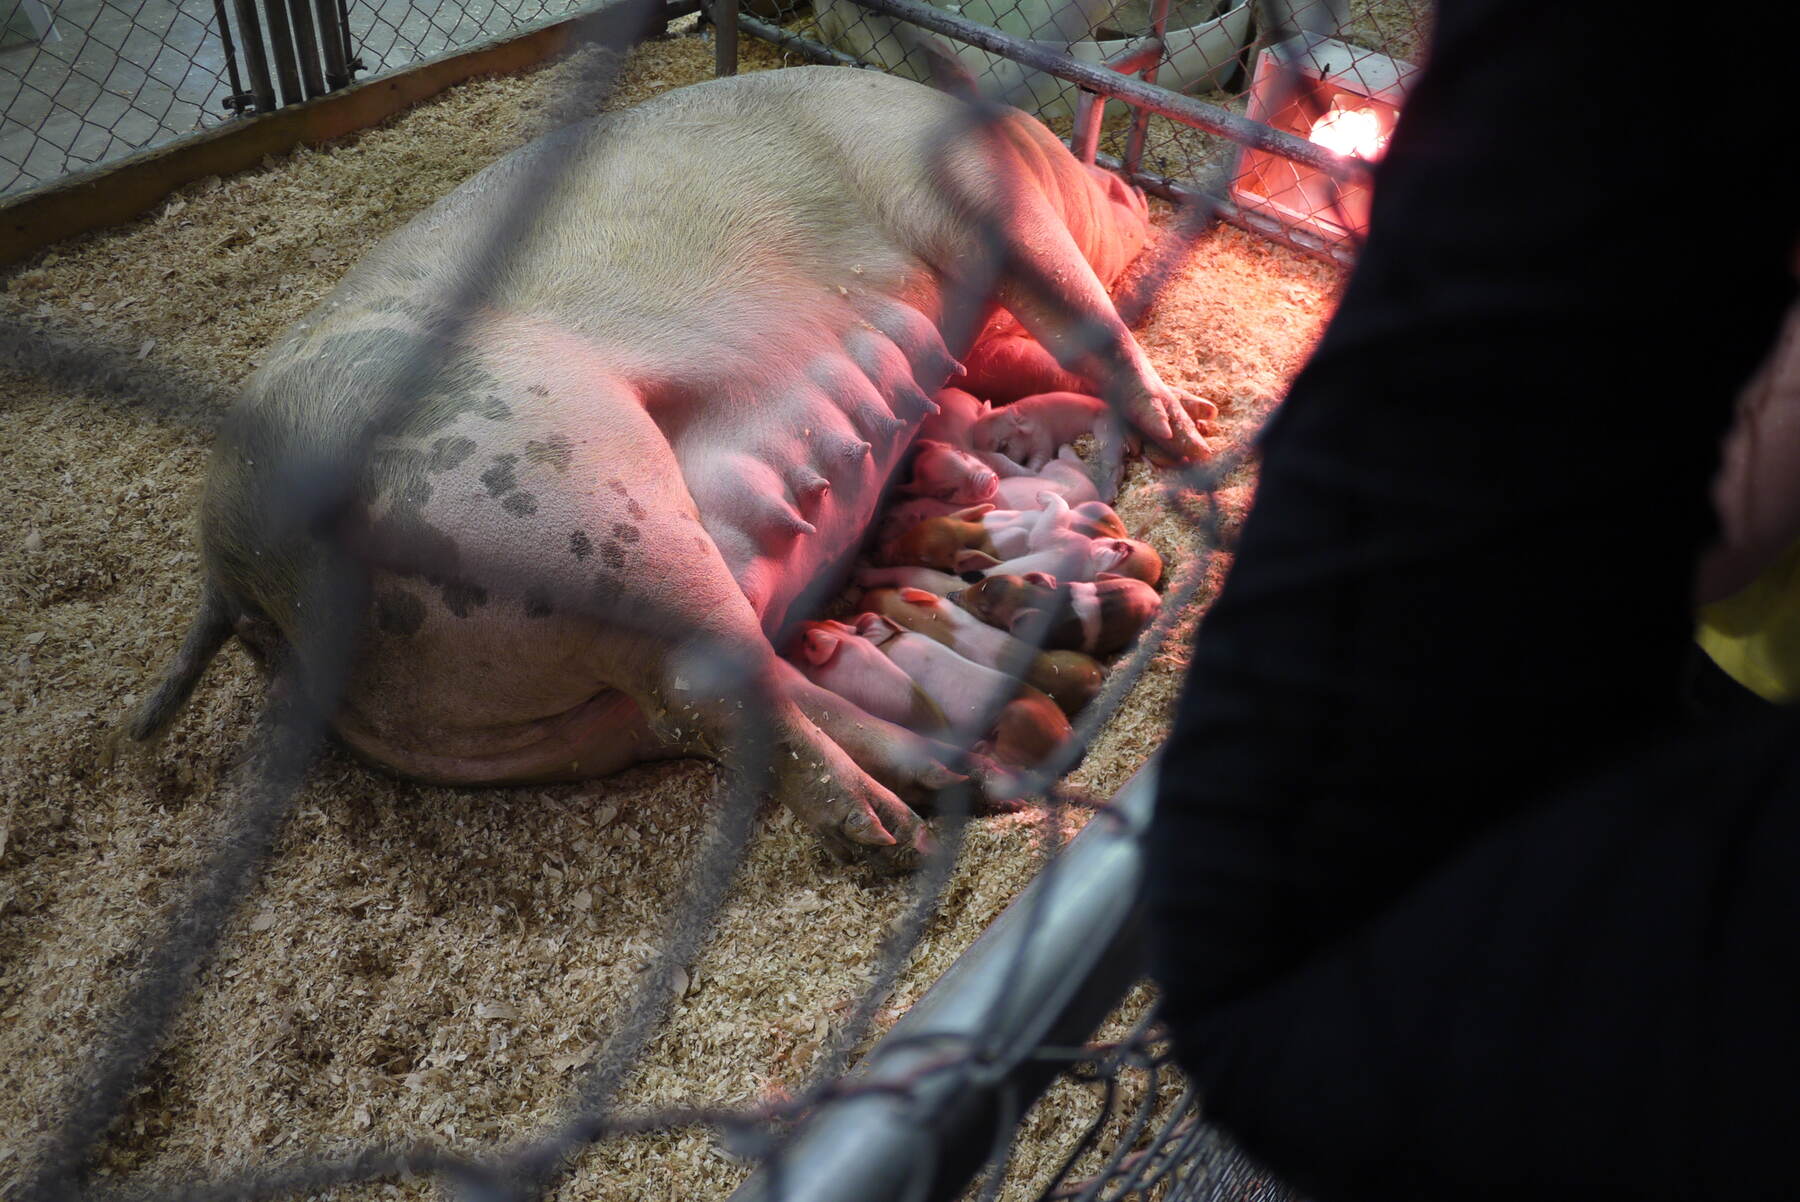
404,544
448,453
435,379
520,504
612,554
460,597
399,613
700,543
494,409
538,390
400,472
618,488
415,491
625,532
556,452
635,510
580,545
537,603
500,478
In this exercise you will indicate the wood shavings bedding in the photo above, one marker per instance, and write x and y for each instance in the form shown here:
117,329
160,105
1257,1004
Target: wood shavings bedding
421,963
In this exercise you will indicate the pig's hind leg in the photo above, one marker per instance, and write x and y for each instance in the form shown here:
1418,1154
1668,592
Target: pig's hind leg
687,647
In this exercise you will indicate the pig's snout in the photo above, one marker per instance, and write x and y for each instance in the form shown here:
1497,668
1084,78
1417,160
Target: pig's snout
980,486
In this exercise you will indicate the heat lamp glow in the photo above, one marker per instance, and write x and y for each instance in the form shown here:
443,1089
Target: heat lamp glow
1350,132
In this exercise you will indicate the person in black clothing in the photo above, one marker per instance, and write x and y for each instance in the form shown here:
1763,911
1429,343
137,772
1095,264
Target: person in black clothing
1454,897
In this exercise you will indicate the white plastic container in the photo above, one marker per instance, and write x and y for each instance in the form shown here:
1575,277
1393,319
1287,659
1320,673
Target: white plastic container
1199,55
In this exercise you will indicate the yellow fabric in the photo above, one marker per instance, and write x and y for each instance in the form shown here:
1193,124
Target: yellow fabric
1754,635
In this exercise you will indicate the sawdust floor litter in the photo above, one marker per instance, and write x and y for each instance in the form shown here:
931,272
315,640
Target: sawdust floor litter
419,963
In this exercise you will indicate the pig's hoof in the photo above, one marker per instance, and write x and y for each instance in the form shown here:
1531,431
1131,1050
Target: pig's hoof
1168,428
878,831
998,791
1203,411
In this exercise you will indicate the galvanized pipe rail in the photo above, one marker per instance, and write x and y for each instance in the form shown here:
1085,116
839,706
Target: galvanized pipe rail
1147,96
930,1102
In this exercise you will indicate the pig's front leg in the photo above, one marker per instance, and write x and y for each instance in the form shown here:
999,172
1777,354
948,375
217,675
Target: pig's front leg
812,775
1056,296
904,761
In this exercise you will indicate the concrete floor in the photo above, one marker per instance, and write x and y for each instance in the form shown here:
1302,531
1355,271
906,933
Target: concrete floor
115,76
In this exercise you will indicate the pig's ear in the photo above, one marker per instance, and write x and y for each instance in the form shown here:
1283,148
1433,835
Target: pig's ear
1022,618
818,645
973,512
1042,578
875,627
974,561
1109,576
918,596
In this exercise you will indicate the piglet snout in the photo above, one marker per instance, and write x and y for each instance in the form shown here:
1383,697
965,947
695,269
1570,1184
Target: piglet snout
980,487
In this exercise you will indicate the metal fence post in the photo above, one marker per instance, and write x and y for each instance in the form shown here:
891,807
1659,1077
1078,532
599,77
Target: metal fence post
1140,118
306,47
256,62
725,37
281,48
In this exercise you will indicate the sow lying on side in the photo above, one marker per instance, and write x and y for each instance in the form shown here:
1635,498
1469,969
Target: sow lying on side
657,434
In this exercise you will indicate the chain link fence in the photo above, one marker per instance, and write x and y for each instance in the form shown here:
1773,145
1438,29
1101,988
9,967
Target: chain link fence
1024,1006
83,82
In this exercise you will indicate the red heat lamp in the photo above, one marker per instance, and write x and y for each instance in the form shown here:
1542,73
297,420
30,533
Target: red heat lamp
1339,96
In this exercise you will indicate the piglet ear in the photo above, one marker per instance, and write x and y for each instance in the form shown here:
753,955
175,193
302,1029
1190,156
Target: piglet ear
974,561
867,622
1043,578
1109,576
918,596
1023,618
818,645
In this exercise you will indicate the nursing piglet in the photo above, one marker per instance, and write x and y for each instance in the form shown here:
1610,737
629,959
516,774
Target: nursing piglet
1025,729
940,543
957,415
1030,430
1068,678
1055,523
1011,530
946,473
833,656
928,580
1099,618
1074,559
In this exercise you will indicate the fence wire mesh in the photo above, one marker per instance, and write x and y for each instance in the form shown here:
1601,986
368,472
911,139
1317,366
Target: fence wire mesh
1147,1141
83,82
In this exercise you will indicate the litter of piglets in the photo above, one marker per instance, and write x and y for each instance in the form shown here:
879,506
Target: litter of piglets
999,529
